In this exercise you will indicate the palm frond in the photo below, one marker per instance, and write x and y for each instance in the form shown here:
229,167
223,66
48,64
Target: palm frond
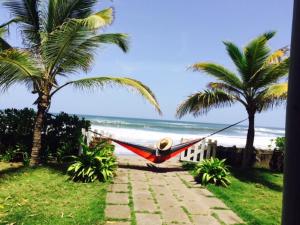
119,39
274,95
3,43
270,74
202,102
277,56
225,87
99,19
6,24
72,47
68,49
60,11
277,91
237,56
256,53
218,72
27,12
17,66
100,82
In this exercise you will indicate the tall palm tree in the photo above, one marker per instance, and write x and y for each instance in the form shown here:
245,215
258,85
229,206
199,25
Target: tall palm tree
256,85
60,38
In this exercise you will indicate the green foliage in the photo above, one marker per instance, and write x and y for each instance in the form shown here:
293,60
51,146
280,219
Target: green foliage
95,163
213,171
280,143
60,137
63,134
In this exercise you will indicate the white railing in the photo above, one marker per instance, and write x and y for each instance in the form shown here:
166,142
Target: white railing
202,150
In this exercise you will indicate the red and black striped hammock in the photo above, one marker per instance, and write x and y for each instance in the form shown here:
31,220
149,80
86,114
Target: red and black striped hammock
156,156
153,154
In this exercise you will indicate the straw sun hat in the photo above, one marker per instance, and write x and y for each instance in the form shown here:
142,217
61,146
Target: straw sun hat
164,144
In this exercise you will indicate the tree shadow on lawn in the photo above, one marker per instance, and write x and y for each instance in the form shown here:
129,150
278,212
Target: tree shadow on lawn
18,169
151,168
257,175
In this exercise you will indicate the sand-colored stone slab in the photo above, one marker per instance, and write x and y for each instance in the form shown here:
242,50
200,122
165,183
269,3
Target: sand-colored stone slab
121,179
117,198
204,220
118,188
228,217
117,211
144,205
148,219
174,215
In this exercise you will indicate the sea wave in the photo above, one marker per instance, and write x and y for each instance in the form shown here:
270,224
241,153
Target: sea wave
149,138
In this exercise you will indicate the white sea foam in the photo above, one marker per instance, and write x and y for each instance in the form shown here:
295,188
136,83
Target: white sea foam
146,137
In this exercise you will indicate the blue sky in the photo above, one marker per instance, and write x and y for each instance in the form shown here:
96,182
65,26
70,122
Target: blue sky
165,38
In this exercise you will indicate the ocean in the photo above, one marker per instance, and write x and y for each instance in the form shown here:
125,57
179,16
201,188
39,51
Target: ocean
149,131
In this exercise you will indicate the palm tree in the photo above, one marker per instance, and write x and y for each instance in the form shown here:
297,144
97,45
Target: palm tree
60,38
256,85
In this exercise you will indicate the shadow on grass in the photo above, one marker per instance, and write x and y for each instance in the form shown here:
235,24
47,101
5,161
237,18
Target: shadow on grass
14,170
57,167
151,167
11,170
260,176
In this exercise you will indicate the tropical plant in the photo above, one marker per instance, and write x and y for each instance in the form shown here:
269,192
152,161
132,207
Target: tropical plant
95,163
279,143
212,171
60,38
60,132
257,85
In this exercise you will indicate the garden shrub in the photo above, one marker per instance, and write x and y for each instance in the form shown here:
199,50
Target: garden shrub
95,163
60,136
213,171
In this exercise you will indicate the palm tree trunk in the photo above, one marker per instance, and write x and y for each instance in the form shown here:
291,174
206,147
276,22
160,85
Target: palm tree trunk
249,149
37,132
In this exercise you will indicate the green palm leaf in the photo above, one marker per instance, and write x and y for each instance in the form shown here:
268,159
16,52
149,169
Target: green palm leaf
202,102
27,14
17,66
256,54
100,82
237,56
218,72
60,11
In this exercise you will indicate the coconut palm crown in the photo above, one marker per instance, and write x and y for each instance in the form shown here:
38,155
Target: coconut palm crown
59,39
257,84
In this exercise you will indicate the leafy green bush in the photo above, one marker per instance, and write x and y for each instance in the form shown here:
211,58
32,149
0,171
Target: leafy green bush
95,163
60,136
279,143
213,171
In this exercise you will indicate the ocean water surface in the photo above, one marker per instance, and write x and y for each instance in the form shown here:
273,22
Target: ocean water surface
149,131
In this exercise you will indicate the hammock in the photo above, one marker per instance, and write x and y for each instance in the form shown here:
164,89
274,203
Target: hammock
154,154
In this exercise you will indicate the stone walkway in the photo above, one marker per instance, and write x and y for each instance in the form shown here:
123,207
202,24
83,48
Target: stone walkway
146,195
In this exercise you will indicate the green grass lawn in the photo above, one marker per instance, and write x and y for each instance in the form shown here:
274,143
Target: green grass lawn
44,196
255,195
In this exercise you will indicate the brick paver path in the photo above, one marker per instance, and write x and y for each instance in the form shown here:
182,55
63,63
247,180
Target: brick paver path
145,195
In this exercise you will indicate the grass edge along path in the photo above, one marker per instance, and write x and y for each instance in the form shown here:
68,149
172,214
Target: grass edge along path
44,195
255,195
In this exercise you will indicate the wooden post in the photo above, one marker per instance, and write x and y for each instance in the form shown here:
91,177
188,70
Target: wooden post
214,148
291,191
209,149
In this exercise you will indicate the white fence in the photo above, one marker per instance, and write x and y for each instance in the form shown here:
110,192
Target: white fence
198,152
